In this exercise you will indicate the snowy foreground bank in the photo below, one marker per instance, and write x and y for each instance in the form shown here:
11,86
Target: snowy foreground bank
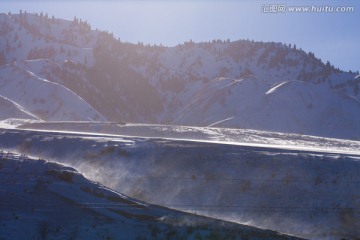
312,193
43,200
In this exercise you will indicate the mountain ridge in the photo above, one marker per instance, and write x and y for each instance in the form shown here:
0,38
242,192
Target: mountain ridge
156,84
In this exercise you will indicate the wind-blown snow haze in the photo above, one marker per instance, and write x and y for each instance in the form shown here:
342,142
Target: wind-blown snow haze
128,137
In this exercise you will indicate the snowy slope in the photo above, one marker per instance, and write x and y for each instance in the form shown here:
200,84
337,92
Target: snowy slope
301,191
289,106
44,99
10,109
30,36
43,200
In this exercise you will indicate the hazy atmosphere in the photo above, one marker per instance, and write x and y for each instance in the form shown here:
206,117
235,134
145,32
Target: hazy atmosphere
166,120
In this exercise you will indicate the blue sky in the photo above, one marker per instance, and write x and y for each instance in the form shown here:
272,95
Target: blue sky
331,36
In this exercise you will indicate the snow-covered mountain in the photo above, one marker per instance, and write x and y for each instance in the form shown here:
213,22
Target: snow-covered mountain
43,200
72,89
241,84
44,99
